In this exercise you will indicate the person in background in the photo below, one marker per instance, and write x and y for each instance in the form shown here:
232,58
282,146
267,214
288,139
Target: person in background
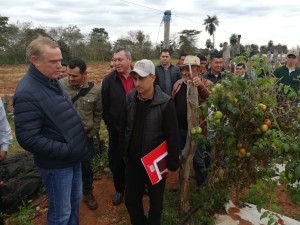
149,119
180,60
115,87
89,107
5,132
240,69
63,70
289,72
112,64
216,66
166,73
5,141
203,64
179,94
48,126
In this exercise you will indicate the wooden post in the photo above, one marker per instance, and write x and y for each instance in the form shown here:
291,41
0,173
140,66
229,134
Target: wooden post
226,55
166,19
238,48
190,146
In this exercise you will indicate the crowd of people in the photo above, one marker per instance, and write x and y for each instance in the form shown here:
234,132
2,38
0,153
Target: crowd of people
57,113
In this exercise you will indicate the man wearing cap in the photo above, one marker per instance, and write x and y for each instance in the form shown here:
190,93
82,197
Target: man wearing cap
289,72
180,98
149,119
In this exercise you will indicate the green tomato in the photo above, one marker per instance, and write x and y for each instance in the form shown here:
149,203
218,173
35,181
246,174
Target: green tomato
218,115
193,131
198,130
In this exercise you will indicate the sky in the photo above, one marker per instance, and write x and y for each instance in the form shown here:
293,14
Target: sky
257,21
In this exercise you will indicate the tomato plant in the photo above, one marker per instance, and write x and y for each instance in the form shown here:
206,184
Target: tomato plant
255,116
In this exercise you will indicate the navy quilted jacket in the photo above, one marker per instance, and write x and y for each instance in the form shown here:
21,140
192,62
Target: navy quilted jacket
46,123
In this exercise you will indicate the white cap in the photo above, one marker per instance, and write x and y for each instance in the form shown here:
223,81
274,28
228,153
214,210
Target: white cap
143,68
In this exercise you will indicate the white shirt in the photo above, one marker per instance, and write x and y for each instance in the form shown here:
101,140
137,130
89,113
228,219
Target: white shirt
5,130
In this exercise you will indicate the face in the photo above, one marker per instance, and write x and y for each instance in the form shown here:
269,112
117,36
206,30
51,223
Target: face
144,85
76,79
181,60
121,62
50,63
240,70
165,58
203,62
112,64
216,65
186,72
63,72
291,61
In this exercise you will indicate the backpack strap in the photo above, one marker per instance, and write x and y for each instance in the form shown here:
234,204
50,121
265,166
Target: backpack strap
83,92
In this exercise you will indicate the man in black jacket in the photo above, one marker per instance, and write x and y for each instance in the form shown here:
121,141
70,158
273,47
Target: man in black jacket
166,73
48,126
115,88
149,119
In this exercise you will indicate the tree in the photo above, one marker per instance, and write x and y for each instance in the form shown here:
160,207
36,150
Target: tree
137,42
210,25
3,30
209,44
73,38
188,41
233,40
99,46
270,46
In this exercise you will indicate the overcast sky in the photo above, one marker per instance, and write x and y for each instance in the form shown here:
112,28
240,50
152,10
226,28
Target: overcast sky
258,21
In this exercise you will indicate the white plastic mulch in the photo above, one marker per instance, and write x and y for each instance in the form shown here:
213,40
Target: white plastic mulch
249,214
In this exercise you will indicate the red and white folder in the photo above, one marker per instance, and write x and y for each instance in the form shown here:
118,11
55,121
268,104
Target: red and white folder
155,162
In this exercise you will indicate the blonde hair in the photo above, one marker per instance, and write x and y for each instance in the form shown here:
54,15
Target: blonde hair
35,48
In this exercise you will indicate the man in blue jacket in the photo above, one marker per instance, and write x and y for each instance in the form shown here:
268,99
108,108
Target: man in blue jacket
48,126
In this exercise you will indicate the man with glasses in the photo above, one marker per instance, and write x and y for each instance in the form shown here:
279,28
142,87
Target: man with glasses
289,72
115,87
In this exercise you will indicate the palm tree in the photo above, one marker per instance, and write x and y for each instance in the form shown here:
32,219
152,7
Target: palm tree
210,25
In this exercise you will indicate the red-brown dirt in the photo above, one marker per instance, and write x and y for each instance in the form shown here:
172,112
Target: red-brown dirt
106,214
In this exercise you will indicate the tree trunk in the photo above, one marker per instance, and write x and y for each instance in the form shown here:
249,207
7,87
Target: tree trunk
190,146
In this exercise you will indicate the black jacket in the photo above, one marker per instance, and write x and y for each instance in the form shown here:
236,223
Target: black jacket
160,124
113,100
160,76
46,122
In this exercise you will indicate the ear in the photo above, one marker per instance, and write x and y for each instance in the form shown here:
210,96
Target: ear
34,59
153,77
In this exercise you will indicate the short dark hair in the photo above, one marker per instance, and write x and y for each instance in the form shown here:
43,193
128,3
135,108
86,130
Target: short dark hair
64,64
166,50
241,64
183,54
215,55
201,56
73,63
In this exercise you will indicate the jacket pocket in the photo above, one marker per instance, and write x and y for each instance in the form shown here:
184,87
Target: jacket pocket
87,103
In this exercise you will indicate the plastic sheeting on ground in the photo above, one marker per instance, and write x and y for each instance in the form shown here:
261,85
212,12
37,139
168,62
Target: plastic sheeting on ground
247,215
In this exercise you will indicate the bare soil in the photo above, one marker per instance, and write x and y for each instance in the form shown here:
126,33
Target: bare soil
106,214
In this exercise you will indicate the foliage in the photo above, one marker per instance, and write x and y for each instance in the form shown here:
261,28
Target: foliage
252,126
23,217
188,41
211,23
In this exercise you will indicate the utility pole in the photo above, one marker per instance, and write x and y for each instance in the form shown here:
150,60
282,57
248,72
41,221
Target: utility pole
166,19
